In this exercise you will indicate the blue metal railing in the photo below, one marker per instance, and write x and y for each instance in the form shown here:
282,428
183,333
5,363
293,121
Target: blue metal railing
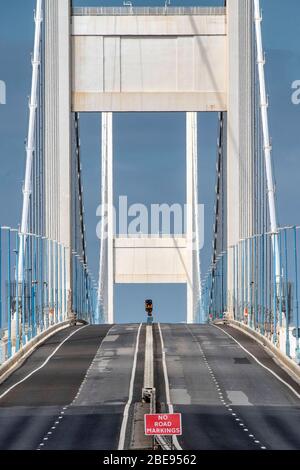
259,298
34,297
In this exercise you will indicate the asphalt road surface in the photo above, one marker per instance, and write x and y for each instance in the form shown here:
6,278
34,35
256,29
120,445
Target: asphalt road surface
227,399
77,400
77,391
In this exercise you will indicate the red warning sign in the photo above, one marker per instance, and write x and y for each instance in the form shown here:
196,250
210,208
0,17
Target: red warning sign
163,424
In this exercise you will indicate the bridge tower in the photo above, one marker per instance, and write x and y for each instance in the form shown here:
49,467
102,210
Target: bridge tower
240,216
110,60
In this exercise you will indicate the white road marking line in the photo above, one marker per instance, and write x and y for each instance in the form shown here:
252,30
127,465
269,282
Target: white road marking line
81,385
43,365
260,363
217,383
167,384
129,402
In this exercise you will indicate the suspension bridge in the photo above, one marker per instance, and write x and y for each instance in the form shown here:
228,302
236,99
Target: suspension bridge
70,377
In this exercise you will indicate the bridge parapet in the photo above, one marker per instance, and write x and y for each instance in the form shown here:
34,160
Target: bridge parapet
144,11
34,297
259,300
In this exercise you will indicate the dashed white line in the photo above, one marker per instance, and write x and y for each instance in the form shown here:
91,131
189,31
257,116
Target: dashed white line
260,363
234,415
65,408
44,363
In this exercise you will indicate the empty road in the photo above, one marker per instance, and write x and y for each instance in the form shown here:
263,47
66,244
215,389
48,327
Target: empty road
77,400
227,399
78,390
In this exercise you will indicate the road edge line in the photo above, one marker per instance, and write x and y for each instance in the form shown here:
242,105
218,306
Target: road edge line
130,395
42,365
260,363
284,362
79,388
8,367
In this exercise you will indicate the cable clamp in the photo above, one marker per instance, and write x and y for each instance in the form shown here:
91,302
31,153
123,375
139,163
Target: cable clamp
32,105
27,192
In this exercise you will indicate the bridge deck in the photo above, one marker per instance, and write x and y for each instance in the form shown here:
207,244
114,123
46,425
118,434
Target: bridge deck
227,399
77,400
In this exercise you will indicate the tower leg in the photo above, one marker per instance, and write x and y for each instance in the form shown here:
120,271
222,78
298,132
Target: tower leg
107,156
191,148
57,123
240,128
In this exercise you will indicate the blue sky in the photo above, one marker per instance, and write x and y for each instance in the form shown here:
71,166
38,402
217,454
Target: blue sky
141,148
